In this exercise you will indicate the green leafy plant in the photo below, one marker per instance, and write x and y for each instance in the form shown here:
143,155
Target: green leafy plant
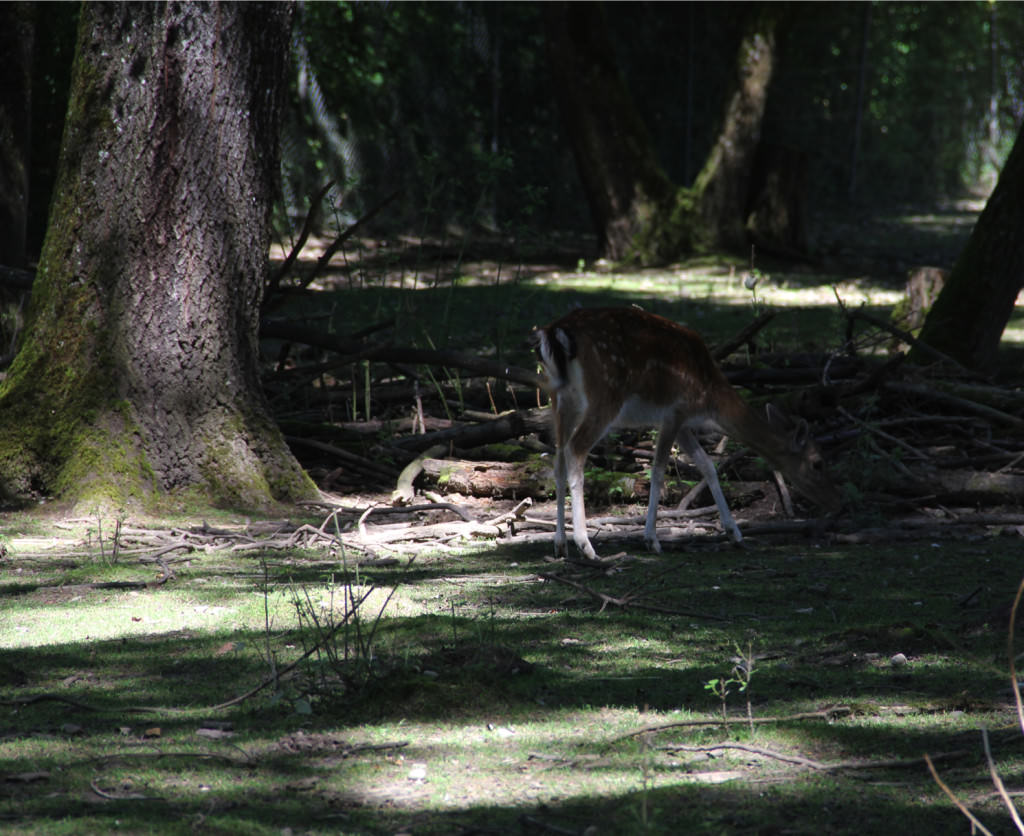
721,689
742,673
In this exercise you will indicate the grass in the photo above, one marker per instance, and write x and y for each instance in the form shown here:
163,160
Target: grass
499,701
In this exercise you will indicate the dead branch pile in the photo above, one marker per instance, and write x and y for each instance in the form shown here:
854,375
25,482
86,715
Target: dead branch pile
913,446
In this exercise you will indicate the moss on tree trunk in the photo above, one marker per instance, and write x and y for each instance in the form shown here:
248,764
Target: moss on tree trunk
138,373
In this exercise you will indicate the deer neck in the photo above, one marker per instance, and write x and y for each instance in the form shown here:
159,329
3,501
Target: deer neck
739,421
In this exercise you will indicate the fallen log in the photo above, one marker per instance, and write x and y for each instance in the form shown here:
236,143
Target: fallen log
498,480
978,486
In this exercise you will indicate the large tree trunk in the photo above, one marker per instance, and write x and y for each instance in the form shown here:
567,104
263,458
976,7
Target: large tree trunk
639,214
138,374
967,320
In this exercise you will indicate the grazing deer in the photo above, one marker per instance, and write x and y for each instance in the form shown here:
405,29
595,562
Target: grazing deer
624,367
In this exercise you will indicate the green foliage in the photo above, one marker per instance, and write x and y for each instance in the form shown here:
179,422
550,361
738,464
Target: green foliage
932,73
443,101
451,103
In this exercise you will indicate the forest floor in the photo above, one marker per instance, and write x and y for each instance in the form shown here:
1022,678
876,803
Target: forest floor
426,667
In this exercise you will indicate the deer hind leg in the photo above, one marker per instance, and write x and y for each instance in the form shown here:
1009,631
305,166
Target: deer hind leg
666,438
561,549
696,453
567,412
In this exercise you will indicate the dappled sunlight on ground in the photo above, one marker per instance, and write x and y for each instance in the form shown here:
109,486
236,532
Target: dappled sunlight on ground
724,286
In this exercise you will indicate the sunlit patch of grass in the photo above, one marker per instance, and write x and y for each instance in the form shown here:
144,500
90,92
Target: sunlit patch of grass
446,733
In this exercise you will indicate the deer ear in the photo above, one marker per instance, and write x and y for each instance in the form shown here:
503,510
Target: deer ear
801,435
798,431
777,418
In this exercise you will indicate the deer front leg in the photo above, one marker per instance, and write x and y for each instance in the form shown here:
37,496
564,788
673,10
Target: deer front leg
569,473
692,448
574,468
590,430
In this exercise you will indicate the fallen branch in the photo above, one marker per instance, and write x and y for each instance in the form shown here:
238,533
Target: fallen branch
502,428
932,393
832,713
201,756
743,337
48,698
274,285
810,763
627,600
404,492
489,479
975,821
997,782
357,350
127,796
490,529
358,463
903,335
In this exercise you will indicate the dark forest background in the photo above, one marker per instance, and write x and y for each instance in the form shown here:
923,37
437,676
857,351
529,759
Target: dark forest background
451,104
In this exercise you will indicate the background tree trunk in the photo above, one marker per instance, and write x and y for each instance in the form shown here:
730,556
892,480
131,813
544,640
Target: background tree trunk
723,185
624,184
138,373
776,214
967,320
638,213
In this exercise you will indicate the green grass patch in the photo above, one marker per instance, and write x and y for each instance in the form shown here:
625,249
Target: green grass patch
486,696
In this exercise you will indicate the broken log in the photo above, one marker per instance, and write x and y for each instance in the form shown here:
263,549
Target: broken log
498,480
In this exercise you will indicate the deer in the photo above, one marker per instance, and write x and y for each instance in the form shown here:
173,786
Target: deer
624,367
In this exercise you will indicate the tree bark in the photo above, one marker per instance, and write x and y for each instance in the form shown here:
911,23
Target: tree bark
723,185
138,373
967,320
